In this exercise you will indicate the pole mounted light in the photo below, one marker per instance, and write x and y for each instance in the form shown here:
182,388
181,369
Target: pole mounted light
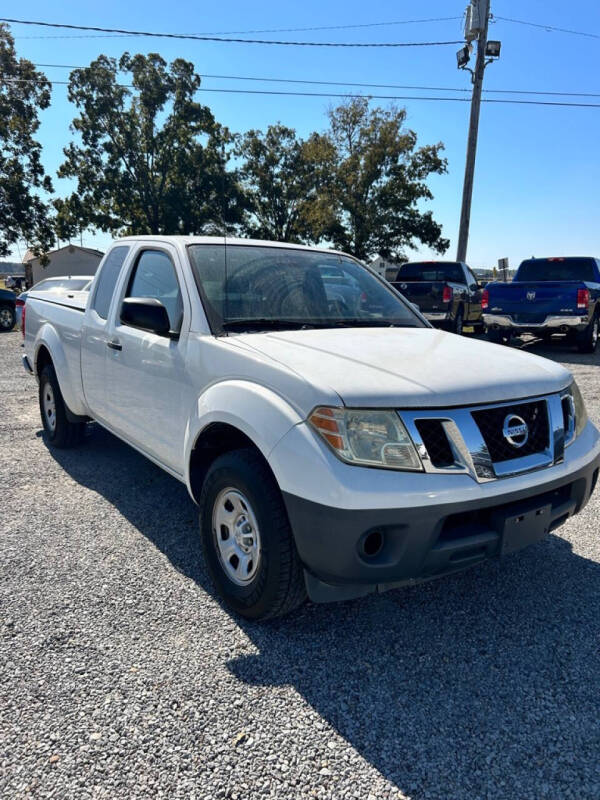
492,49
463,56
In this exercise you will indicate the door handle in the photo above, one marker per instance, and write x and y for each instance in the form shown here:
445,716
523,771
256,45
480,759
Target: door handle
114,345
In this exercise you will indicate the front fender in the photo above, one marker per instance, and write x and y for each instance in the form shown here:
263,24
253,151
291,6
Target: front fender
261,414
66,365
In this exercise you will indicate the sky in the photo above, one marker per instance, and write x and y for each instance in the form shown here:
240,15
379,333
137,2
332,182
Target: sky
537,176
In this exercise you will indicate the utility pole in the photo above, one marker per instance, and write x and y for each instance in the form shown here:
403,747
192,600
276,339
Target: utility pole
478,17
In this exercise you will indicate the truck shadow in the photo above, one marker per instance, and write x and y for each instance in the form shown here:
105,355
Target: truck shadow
478,685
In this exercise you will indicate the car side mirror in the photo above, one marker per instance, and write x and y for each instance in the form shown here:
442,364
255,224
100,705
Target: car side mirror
146,313
474,287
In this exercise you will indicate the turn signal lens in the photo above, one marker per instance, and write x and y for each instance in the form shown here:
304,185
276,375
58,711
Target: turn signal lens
485,300
367,438
581,416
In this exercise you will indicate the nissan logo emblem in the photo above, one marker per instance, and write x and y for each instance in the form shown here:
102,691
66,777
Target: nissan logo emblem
515,430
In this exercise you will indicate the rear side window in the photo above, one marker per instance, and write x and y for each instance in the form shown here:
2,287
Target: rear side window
431,272
557,269
154,276
108,279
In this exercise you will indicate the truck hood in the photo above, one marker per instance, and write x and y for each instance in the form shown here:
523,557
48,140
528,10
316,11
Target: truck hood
409,367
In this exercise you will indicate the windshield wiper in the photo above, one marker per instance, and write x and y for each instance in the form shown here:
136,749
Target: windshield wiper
261,323
368,323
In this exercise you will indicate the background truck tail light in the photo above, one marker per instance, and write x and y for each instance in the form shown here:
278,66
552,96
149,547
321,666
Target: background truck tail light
583,298
447,294
485,300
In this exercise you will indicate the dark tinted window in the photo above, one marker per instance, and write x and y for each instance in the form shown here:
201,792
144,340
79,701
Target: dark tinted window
432,272
557,269
285,286
107,279
154,276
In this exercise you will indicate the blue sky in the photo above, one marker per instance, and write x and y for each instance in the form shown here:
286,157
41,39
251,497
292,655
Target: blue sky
538,170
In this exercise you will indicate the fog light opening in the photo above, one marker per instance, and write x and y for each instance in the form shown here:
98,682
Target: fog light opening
372,544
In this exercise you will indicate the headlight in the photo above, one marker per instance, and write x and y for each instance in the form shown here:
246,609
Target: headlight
581,416
367,438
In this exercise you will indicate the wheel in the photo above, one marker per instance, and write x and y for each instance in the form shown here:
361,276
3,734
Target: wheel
588,340
458,323
8,317
60,432
497,336
246,538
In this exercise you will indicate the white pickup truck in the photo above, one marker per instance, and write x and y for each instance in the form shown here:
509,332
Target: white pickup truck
335,443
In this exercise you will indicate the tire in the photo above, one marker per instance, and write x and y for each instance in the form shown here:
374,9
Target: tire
59,431
587,341
457,326
498,337
8,317
258,575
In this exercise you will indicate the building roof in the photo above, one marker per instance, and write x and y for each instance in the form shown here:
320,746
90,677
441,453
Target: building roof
29,256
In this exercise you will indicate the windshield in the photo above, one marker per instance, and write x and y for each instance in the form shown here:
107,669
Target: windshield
431,272
557,269
255,288
74,284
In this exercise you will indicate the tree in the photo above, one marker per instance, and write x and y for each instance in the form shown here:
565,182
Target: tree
23,93
371,205
150,158
281,175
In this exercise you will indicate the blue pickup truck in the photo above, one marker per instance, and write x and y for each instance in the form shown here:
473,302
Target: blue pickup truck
547,296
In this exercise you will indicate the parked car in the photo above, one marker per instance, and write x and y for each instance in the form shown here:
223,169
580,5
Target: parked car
547,296
331,454
66,286
447,292
8,314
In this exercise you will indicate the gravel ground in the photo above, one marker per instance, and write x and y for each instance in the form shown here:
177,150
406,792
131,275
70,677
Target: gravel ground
122,677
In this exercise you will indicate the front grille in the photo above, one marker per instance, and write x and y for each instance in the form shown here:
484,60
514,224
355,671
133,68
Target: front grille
491,422
436,442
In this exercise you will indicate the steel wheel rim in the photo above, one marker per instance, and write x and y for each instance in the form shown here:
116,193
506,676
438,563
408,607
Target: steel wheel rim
49,406
5,318
237,536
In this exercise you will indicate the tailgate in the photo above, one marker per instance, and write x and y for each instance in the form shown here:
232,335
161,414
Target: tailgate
428,296
533,302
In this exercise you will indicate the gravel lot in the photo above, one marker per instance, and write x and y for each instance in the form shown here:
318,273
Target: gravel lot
122,677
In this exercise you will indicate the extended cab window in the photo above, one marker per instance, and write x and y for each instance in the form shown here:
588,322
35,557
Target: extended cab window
154,276
107,280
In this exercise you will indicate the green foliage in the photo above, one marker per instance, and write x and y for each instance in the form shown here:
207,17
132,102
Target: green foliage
282,180
150,158
371,205
23,92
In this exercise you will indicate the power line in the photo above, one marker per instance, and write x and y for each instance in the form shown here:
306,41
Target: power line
285,30
361,85
194,37
345,96
549,28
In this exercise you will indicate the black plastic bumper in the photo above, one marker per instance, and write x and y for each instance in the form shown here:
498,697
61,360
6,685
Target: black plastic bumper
350,553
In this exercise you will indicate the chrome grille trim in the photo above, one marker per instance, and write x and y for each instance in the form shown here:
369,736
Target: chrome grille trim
471,455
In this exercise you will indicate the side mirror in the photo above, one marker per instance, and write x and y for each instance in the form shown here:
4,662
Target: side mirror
474,287
146,313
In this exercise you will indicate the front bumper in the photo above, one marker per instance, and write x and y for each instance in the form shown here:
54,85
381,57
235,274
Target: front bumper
555,324
424,542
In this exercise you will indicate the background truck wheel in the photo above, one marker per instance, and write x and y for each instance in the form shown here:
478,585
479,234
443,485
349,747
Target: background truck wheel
247,540
60,432
8,318
458,322
588,340
498,336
